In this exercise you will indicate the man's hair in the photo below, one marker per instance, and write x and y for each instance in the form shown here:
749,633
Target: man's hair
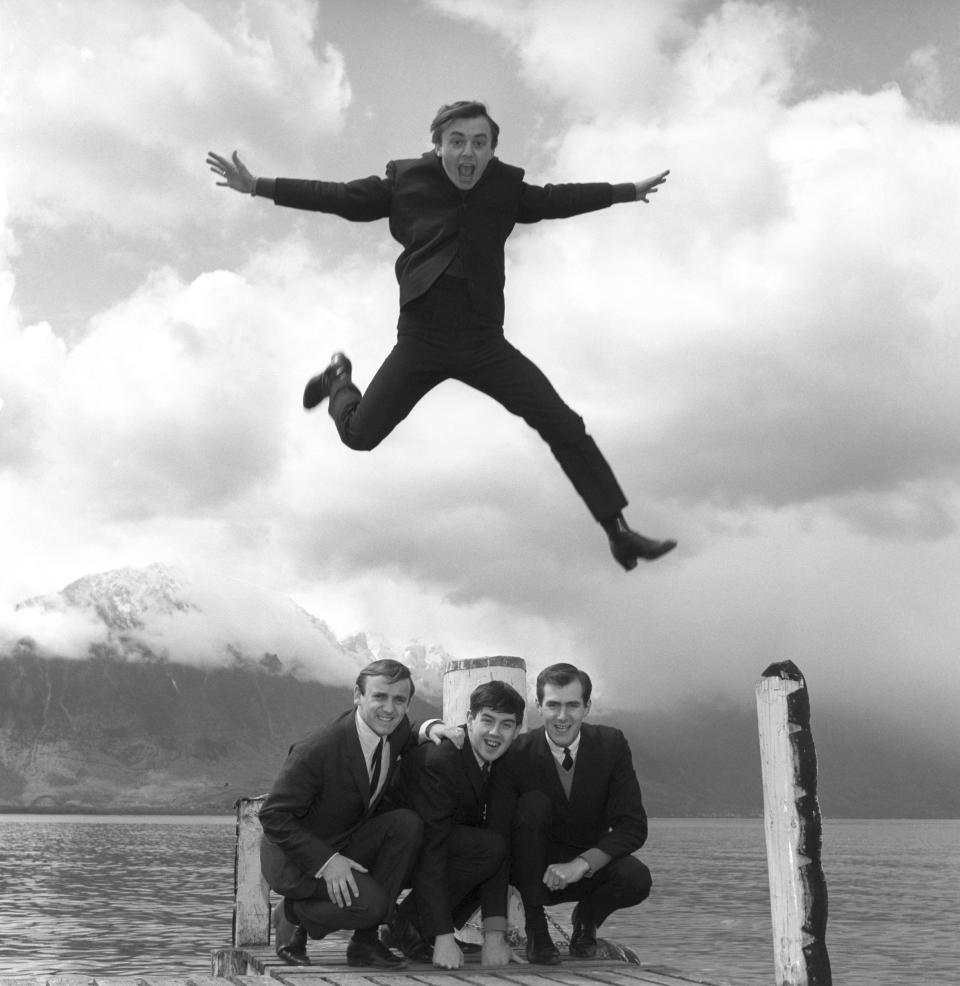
462,109
497,696
393,671
560,675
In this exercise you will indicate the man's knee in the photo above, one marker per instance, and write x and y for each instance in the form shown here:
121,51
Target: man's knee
404,825
373,900
492,845
533,810
633,879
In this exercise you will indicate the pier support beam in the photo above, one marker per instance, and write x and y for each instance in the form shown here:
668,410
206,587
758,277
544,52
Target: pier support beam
793,828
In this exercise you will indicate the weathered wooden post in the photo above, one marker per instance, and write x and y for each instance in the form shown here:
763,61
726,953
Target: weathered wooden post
251,895
461,677
793,828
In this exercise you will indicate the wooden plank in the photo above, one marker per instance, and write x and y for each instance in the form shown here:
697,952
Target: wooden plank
629,975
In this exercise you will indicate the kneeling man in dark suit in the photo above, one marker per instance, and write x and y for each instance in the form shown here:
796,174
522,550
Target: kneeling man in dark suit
339,861
569,797
462,862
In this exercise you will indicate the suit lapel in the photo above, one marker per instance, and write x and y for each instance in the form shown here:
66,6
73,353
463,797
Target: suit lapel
353,754
471,769
395,742
547,765
587,766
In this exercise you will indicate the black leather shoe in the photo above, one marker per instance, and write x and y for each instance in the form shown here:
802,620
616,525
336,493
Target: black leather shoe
405,936
318,387
541,950
628,547
377,955
290,940
583,938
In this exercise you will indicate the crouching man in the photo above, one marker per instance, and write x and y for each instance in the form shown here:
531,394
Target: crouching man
462,862
339,860
568,795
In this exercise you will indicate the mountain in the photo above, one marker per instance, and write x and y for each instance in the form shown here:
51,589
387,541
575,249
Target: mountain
161,613
147,689
121,735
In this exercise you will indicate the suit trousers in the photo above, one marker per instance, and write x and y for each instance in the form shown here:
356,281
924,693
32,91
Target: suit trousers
623,882
387,845
440,337
474,856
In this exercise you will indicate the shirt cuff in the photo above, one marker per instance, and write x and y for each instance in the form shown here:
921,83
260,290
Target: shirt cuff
325,865
596,859
624,191
424,734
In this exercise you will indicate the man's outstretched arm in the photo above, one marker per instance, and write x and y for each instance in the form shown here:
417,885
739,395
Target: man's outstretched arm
562,201
359,201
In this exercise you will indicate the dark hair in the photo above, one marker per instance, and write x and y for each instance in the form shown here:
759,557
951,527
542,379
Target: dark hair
462,109
497,696
562,674
393,671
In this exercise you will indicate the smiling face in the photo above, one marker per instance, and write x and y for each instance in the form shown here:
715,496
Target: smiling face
491,733
465,150
563,711
382,704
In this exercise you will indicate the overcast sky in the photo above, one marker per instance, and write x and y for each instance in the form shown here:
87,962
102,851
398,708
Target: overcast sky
767,353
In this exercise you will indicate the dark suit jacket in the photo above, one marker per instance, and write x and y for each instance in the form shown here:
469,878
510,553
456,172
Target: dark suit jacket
320,797
605,810
444,786
433,220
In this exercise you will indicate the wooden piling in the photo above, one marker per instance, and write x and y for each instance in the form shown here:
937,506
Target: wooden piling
461,677
793,828
251,898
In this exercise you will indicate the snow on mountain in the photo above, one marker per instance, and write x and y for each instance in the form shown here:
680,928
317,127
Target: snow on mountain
164,613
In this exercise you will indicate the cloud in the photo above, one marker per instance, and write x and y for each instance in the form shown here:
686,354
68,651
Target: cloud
766,353
558,45
924,78
115,109
774,327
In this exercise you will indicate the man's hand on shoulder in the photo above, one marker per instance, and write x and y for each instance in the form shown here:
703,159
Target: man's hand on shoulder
648,186
439,731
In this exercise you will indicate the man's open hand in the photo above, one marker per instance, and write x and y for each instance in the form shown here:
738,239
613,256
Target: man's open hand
233,171
649,185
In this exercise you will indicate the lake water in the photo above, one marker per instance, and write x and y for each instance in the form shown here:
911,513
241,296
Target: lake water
89,895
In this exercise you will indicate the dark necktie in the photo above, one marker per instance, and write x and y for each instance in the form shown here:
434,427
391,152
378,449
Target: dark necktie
375,767
567,759
484,789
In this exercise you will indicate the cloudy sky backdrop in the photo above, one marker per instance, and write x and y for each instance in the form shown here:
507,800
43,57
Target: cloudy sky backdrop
768,353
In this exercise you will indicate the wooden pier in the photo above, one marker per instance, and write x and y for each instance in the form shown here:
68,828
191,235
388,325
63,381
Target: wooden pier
797,891
330,969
